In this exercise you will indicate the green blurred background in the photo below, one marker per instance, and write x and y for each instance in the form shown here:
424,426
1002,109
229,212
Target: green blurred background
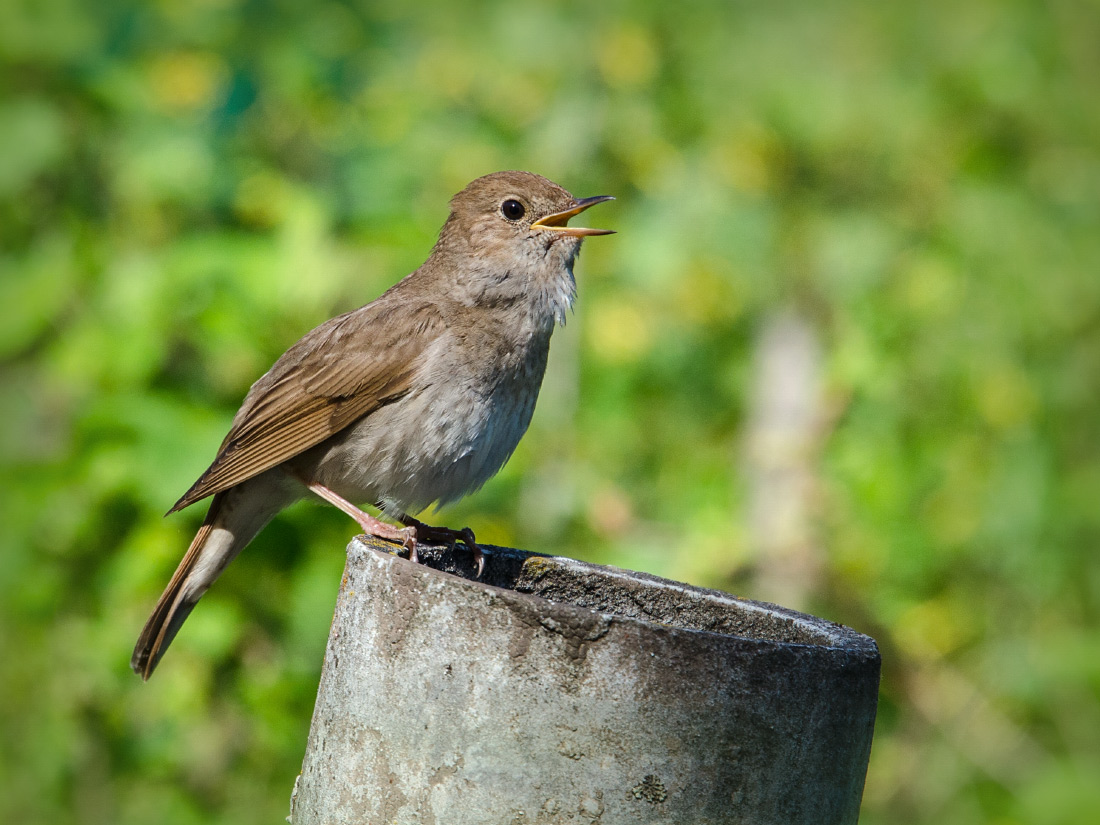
844,354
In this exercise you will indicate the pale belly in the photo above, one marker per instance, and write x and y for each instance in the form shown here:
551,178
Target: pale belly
434,446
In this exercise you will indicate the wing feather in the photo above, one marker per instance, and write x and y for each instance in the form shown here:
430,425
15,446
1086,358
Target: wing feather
335,375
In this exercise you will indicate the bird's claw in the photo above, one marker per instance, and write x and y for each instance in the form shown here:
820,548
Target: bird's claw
471,542
425,532
410,543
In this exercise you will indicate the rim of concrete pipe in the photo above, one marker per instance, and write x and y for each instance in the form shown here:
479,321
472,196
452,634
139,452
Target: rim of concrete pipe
633,595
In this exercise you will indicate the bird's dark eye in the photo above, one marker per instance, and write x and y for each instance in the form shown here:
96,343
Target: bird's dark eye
512,209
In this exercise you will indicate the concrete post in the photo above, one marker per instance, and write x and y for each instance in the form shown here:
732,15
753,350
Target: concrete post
554,691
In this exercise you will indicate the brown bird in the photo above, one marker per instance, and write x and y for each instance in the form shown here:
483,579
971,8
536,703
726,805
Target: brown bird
419,397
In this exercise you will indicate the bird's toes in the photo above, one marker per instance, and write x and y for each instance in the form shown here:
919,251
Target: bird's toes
408,540
471,542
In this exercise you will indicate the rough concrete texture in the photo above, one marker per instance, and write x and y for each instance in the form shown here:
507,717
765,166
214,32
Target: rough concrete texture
554,691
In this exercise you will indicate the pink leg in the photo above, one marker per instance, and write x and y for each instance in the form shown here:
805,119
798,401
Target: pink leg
372,526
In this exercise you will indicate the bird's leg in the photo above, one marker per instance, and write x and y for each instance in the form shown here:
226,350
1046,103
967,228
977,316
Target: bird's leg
426,532
405,535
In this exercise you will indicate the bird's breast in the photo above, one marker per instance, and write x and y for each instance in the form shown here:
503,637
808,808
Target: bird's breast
444,439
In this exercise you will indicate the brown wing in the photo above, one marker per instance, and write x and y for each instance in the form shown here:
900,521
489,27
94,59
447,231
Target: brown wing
336,374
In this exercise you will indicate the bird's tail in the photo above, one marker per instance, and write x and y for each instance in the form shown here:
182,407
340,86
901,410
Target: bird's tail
224,533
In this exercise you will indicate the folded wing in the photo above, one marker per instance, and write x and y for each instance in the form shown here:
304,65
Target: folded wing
335,375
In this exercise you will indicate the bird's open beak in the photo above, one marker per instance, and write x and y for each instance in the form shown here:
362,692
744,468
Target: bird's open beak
559,221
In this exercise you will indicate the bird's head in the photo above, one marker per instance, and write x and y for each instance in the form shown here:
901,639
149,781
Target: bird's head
508,239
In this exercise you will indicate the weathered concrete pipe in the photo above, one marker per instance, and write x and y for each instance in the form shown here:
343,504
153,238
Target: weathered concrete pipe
554,691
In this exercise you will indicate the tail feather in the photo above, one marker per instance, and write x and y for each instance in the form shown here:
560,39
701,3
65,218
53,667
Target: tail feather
182,593
235,516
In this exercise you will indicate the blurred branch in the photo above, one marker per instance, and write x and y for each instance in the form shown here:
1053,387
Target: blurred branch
781,438
967,718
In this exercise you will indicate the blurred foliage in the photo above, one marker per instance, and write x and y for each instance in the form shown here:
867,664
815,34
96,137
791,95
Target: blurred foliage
187,187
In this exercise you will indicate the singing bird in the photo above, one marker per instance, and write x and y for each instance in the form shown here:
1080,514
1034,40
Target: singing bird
417,398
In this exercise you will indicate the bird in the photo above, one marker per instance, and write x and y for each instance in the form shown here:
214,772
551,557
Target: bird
417,398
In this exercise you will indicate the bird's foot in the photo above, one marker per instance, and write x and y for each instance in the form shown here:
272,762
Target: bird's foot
448,536
405,536
408,535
